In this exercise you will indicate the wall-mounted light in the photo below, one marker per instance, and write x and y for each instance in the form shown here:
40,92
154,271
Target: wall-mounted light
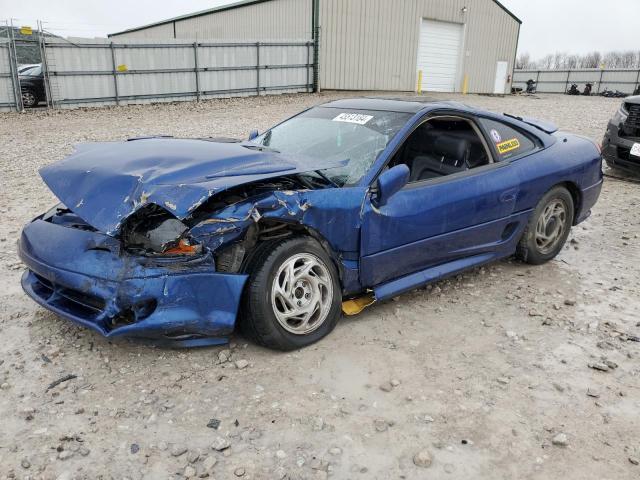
464,9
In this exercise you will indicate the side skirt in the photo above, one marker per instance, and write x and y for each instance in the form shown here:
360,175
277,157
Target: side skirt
404,284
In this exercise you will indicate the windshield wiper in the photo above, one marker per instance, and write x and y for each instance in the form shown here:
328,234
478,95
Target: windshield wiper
261,148
326,178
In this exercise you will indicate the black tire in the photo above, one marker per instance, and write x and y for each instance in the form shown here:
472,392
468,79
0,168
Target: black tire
258,319
29,98
529,250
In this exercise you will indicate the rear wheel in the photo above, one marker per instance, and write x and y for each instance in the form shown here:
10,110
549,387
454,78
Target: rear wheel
548,227
293,296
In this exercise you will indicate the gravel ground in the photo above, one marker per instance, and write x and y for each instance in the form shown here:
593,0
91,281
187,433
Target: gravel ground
487,376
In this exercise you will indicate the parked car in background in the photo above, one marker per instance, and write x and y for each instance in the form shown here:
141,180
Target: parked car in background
621,144
350,202
32,86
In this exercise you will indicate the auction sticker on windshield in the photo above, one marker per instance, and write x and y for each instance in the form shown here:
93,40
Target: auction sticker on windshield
635,150
353,118
508,146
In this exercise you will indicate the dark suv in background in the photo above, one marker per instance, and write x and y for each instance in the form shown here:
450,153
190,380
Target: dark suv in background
621,144
32,86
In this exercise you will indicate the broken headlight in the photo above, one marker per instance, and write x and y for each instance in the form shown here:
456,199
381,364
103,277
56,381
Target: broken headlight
154,231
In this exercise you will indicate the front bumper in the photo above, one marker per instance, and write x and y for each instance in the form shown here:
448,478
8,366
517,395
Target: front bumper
85,277
616,149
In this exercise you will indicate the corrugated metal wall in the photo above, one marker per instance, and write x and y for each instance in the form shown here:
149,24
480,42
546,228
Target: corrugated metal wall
7,97
365,44
277,19
372,44
87,73
558,81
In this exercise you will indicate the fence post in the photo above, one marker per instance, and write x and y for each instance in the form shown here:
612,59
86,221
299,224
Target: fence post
600,81
196,68
258,68
307,66
315,32
566,85
115,73
48,91
13,66
637,82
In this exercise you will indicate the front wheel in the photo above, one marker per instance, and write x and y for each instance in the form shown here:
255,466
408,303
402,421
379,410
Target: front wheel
293,298
548,227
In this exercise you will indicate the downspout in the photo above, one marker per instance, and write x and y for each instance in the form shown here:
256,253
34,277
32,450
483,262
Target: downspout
315,33
515,59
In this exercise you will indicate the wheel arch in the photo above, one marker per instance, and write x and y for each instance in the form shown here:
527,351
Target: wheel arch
576,196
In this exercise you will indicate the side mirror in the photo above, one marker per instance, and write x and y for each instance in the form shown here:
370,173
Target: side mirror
390,183
253,134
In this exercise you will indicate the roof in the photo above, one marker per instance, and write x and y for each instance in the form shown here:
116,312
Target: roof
407,104
242,3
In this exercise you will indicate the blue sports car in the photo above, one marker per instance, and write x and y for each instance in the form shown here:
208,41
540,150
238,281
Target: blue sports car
347,203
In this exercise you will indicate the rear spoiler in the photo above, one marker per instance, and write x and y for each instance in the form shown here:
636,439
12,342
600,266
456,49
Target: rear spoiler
546,127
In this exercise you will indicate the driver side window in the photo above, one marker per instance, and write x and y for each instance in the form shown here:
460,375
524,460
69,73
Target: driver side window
442,146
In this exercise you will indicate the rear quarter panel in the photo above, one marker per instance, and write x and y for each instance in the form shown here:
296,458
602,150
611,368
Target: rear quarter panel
571,160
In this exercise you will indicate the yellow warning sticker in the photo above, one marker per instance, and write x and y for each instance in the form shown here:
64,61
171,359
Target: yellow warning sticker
509,145
26,30
122,68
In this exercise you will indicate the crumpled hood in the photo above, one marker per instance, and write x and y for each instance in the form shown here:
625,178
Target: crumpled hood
104,183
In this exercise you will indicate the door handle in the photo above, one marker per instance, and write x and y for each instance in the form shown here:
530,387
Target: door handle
508,196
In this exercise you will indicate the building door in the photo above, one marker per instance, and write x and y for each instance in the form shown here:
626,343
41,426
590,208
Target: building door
439,51
501,77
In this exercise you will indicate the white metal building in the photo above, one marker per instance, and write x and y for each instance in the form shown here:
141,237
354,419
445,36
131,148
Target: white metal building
458,45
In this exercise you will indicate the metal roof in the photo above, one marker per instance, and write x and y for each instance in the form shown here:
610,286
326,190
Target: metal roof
242,3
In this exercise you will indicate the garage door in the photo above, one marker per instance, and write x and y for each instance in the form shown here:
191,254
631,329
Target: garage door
439,55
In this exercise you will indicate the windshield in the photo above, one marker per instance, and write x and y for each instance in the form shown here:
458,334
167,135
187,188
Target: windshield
357,136
32,72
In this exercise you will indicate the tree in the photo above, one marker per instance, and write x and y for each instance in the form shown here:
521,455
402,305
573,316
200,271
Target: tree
523,62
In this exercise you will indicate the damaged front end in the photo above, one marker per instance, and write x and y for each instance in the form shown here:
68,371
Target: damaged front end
155,245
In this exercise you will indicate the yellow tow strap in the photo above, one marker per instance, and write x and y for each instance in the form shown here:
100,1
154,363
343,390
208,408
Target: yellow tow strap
356,305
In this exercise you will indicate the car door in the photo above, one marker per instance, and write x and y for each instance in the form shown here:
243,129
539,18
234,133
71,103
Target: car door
439,220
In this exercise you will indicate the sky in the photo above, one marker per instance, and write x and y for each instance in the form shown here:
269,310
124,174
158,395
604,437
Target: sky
573,26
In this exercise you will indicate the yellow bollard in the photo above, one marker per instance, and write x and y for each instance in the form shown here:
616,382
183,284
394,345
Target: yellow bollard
465,85
419,86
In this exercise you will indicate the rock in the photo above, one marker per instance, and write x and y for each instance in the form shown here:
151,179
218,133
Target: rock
511,335
178,450
558,387
240,364
335,451
193,456
610,364
560,440
592,393
209,463
213,423
135,448
503,380
281,454
5,386
84,451
449,468
599,366
220,444
25,463
386,387
395,382
381,425
189,472
634,460
224,356
570,302
64,455
423,459
239,472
